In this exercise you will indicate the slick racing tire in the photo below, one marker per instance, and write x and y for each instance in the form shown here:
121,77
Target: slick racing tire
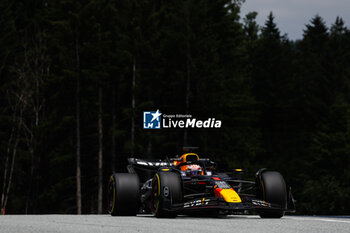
272,190
123,194
166,191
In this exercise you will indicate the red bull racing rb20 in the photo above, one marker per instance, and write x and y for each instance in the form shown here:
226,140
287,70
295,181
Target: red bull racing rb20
190,185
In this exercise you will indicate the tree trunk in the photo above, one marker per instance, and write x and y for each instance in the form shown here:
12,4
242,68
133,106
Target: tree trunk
29,200
78,169
11,173
14,136
6,167
100,153
188,69
187,103
4,181
7,182
133,107
113,128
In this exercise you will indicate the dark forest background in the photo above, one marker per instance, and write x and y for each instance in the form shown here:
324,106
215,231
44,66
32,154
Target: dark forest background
77,75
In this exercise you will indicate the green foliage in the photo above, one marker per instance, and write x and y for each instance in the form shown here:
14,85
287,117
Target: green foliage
284,104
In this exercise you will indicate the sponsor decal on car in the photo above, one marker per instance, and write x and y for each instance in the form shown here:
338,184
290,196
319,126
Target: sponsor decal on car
261,203
222,185
199,202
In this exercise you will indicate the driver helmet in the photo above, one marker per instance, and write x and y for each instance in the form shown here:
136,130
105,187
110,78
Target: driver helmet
193,170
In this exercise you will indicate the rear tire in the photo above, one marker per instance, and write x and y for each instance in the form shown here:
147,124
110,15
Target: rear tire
166,190
272,190
123,194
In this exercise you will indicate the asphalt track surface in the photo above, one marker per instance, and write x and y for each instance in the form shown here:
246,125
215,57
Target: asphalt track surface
148,223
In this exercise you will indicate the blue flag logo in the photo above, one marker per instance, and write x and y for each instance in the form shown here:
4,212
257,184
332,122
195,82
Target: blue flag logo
152,120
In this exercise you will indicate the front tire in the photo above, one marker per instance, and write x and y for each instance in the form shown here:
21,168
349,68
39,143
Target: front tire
123,194
166,190
272,189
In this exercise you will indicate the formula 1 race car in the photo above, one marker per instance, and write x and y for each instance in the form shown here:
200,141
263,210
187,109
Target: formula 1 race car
190,185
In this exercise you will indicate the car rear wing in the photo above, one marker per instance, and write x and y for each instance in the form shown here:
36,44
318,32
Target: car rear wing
149,164
155,164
